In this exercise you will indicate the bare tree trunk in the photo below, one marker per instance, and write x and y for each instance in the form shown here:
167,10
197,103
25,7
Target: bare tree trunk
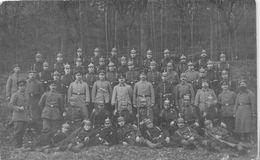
143,34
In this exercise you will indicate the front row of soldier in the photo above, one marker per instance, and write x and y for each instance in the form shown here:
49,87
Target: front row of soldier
185,125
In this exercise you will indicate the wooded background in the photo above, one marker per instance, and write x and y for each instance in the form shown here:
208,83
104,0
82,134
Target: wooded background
183,26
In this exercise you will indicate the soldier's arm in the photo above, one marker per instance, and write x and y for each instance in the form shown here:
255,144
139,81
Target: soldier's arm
42,100
253,103
13,102
197,97
94,91
114,95
130,92
134,95
236,105
152,94
176,97
61,104
192,94
214,96
109,90
87,93
70,91
8,87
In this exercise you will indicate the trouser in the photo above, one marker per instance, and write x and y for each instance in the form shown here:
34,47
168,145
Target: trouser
19,130
50,125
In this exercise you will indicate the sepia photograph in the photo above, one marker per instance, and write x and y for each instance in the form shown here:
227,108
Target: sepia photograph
128,80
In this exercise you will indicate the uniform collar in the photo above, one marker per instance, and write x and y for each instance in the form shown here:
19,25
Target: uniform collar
122,85
80,81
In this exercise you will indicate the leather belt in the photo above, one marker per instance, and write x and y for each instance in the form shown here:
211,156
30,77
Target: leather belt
78,93
144,95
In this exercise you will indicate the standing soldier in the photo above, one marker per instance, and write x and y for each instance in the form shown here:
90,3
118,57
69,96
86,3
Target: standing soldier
21,112
148,59
112,75
67,79
202,97
52,103
79,54
143,89
227,100
38,63
123,68
165,60
135,59
227,79
102,91
34,90
223,64
113,58
79,97
182,89
172,76
45,76
182,66
131,74
79,66
202,74
59,86
212,76
122,93
91,78
59,65
245,111
95,58
102,64
153,75
192,75
11,84
202,63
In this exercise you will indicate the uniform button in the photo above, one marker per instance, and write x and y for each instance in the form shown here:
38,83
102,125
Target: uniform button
52,105
78,93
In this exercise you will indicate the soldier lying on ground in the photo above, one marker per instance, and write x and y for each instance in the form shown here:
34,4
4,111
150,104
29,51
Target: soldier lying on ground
108,133
218,137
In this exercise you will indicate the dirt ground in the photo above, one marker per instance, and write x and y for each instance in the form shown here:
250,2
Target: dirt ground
119,152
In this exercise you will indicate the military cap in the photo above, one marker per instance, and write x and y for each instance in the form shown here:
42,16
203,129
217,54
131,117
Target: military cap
149,52
120,119
122,76
56,73
79,50
101,72
114,50
65,125
78,71
167,101
190,64
205,80
224,72
143,72
111,64
133,51
222,55
107,120
166,51
21,82
101,59
202,70
16,66
180,120
130,63
38,55
224,83
183,57
96,50
123,58
203,53
86,122
32,71
210,62
45,64
207,122
67,66
152,63
242,81
52,82
169,64
164,74
59,55
183,75
91,65
186,97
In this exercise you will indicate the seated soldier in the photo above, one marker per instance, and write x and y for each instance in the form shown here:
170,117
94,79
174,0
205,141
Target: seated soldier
185,136
87,136
155,136
218,137
127,133
108,133
99,114
144,111
168,116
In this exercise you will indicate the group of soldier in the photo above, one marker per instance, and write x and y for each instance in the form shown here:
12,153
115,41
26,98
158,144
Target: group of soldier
130,101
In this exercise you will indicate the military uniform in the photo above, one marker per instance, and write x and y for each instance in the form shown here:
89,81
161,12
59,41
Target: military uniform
95,59
37,66
165,60
181,89
127,133
131,75
11,84
182,66
223,64
122,93
59,65
112,76
108,134
34,90
114,58
20,117
91,78
98,116
153,75
147,61
167,116
101,65
45,77
201,98
143,89
101,91
172,76
53,108
66,80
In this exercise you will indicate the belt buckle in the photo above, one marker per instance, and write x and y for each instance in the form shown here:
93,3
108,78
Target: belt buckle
78,93
226,104
52,106
45,82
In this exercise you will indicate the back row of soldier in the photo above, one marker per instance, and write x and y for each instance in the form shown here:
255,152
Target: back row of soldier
140,93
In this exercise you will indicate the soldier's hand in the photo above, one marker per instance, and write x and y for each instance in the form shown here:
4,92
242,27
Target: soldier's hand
167,139
115,112
64,114
172,123
222,124
137,139
86,139
196,124
21,108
